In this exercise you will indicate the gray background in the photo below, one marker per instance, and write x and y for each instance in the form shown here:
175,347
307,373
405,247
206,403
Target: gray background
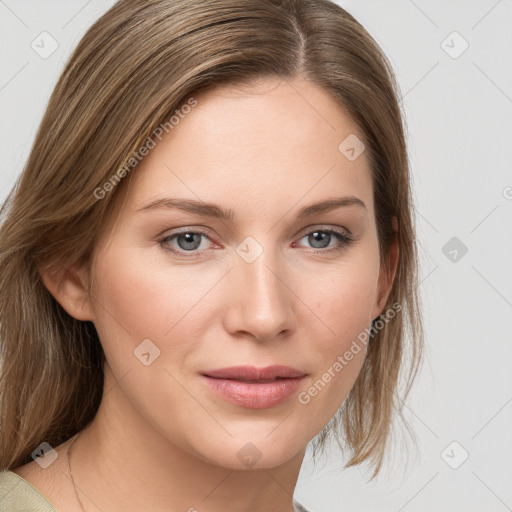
458,110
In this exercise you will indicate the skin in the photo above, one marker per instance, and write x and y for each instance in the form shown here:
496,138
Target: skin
161,438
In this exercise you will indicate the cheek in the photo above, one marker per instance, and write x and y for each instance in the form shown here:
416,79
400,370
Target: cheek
146,297
345,312
344,299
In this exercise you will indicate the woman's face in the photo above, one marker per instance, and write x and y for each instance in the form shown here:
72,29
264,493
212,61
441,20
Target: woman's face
184,294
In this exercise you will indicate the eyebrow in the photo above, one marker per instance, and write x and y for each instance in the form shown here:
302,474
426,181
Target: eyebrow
212,210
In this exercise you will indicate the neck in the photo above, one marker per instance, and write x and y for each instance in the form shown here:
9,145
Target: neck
121,463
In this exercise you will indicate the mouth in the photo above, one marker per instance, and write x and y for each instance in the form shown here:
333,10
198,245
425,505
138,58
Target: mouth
254,388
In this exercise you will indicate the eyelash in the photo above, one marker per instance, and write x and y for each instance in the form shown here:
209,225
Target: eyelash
344,240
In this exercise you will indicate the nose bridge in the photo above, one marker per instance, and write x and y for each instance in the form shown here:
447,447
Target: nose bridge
262,303
263,280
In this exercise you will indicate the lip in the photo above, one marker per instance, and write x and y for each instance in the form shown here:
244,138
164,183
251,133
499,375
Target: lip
254,388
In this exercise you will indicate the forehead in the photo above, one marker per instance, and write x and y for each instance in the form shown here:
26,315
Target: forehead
248,146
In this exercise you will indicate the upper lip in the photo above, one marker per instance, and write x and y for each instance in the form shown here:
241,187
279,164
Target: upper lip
255,374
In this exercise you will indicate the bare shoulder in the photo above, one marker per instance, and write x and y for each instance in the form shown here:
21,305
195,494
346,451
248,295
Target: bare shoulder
29,473
51,481
43,479
36,473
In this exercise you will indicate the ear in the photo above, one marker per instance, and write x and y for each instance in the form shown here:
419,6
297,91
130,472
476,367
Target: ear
68,287
387,273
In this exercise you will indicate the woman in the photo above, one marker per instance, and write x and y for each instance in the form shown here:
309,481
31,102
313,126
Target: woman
208,262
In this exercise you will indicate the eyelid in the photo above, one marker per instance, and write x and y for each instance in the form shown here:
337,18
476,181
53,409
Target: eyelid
188,229
209,233
319,227
344,239
344,236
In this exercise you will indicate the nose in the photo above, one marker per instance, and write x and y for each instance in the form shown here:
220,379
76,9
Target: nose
260,303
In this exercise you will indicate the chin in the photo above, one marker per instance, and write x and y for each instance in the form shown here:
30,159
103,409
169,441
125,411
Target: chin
251,452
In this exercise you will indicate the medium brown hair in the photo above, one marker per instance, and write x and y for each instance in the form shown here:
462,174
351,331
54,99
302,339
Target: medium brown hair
133,68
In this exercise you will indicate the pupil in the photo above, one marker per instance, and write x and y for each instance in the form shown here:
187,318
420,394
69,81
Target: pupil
189,243
323,236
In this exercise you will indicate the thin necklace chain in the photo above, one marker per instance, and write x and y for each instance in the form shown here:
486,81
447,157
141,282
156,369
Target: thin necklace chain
68,453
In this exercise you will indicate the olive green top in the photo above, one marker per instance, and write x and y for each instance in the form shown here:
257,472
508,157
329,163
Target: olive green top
18,495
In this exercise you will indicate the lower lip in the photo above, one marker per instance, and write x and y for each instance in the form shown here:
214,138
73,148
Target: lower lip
254,395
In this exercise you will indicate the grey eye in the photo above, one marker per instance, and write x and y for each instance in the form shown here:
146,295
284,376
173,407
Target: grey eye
188,241
319,239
